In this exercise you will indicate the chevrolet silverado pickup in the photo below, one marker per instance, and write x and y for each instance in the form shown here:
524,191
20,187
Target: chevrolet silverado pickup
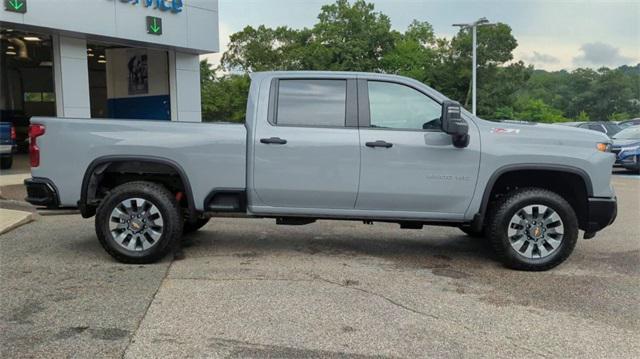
330,145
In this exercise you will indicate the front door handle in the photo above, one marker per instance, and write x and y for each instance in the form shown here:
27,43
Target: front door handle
379,143
273,140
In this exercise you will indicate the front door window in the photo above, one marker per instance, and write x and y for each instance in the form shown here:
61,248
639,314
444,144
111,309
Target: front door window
397,106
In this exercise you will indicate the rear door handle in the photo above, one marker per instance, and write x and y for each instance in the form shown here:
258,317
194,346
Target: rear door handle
379,143
273,140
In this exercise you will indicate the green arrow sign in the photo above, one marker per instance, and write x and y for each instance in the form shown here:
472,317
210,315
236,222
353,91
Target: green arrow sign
19,6
154,25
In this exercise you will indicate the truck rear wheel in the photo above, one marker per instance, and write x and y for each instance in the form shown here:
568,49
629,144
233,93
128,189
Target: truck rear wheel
533,229
138,222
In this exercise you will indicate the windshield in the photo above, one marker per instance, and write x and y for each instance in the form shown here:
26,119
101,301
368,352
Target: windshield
612,128
632,133
629,123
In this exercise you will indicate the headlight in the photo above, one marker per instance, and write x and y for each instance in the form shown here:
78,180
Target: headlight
604,147
629,149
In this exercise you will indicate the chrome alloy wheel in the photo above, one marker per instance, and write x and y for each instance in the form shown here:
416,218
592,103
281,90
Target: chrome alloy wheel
535,231
136,224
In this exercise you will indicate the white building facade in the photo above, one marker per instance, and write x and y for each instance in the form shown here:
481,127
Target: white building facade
133,59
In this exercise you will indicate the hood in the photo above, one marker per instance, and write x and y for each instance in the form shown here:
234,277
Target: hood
535,137
545,130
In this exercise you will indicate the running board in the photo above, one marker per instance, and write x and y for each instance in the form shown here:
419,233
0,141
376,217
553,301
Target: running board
294,221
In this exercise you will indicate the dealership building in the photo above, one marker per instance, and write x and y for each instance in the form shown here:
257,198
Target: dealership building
133,59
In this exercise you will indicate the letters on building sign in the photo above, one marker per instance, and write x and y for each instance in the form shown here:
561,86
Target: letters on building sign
174,6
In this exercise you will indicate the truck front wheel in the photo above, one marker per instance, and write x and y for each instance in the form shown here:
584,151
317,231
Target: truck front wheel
533,229
138,222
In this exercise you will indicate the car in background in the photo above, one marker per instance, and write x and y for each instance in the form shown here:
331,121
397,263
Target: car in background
606,127
7,144
629,123
626,147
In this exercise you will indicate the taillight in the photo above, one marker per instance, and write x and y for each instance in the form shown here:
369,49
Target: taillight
13,133
35,131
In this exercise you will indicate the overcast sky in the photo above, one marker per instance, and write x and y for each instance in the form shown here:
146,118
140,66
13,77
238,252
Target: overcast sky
551,34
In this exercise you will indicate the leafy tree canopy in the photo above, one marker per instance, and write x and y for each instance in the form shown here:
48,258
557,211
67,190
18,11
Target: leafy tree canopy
352,36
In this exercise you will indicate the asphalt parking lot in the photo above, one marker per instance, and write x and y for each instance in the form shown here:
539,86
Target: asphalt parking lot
249,288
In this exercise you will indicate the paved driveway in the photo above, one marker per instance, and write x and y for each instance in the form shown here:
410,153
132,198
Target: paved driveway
249,288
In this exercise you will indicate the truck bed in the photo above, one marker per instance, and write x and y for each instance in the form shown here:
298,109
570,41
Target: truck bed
214,155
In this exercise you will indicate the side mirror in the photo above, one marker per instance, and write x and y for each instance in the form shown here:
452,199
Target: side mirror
454,125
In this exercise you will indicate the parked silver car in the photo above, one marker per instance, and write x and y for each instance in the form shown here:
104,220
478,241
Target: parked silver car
606,127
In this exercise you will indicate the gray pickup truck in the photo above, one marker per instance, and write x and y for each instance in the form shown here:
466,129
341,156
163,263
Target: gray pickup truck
329,145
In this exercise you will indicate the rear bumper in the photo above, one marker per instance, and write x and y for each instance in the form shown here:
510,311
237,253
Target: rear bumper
601,213
6,149
41,192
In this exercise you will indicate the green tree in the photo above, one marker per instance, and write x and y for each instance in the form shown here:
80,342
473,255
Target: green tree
537,111
263,49
582,116
495,45
352,36
413,54
348,37
223,98
500,87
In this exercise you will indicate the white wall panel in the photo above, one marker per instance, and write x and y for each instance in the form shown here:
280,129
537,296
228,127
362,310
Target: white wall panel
73,77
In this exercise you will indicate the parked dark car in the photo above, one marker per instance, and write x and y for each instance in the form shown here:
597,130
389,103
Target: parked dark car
626,146
629,123
7,144
606,127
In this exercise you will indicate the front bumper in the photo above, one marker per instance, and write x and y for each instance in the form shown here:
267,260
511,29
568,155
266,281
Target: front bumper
630,162
41,192
601,213
627,156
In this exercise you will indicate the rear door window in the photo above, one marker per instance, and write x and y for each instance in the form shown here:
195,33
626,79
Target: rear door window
315,103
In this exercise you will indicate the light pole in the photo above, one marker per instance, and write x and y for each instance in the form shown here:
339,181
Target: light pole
474,25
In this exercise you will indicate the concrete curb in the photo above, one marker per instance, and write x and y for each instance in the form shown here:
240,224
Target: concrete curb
27,207
11,219
13,179
16,205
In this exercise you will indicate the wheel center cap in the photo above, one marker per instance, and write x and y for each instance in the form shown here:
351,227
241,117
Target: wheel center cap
136,225
536,232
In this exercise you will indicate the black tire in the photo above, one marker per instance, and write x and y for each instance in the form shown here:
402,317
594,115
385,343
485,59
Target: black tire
167,206
6,162
471,233
502,213
190,227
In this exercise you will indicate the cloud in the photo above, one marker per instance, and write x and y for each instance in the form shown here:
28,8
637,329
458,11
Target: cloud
600,54
541,58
